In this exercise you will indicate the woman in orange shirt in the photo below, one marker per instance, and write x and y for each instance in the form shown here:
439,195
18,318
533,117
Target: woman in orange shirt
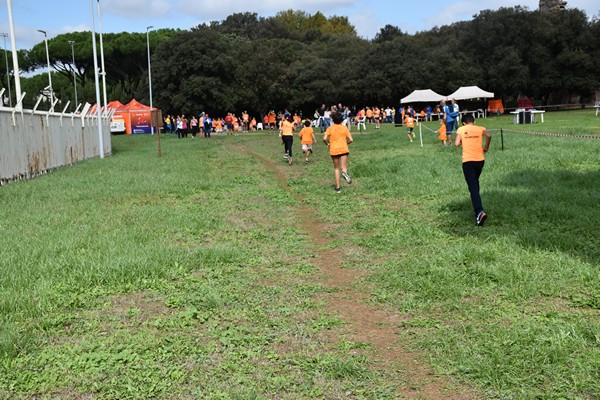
287,136
337,138
470,137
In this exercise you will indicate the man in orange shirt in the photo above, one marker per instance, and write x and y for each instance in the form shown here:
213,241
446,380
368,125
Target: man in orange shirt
470,137
337,138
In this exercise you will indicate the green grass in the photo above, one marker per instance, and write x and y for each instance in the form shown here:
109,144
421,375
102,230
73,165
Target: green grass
139,277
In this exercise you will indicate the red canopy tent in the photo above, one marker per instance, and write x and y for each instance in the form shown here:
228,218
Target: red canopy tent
133,117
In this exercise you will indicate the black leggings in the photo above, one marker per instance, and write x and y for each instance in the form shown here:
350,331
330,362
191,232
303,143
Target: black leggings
472,171
287,142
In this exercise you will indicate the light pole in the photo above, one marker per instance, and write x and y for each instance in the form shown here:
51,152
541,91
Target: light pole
149,76
5,35
13,43
97,82
49,74
103,72
72,43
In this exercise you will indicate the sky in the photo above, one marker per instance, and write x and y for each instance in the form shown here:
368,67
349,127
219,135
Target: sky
367,16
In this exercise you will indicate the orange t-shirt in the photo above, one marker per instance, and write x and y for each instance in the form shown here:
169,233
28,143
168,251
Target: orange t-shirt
337,134
442,132
410,122
471,137
306,134
287,128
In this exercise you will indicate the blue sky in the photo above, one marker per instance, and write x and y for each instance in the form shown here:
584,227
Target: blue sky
368,16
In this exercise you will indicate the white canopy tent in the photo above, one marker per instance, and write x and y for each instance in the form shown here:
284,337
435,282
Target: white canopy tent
422,96
470,92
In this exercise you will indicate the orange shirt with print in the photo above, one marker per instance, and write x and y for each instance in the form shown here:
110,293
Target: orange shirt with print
306,135
409,121
287,128
338,135
472,142
369,113
245,117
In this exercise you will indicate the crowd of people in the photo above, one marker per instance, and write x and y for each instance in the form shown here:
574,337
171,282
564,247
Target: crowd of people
335,124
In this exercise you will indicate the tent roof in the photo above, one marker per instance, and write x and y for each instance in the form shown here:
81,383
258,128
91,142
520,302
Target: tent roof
422,96
470,92
117,105
135,105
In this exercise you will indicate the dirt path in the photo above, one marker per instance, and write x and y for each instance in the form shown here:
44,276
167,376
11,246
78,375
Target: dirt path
366,323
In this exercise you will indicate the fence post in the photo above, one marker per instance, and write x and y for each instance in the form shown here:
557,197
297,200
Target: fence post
502,138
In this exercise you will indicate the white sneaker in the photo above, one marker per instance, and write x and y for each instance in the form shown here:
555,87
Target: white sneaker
346,177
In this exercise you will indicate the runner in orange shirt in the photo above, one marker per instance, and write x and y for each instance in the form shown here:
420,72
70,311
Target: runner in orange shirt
369,115
245,121
307,138
410,126
470,137
272,119
337,138
287,136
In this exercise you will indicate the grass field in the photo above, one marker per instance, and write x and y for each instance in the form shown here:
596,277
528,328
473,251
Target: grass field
218,271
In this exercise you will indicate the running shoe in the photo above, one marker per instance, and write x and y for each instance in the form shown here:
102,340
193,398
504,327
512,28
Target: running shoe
338,190
346,177
481,217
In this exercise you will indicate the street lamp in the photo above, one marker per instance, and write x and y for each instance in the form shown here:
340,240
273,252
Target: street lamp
49,74
149,75
72,42
5,35
103,72
96,81
13,43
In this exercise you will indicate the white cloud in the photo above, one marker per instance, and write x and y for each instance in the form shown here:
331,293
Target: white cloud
209,10
137,8
76,28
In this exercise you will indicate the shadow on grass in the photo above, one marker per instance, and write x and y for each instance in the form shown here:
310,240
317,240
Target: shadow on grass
550,210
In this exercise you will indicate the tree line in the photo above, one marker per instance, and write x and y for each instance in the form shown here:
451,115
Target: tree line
298,61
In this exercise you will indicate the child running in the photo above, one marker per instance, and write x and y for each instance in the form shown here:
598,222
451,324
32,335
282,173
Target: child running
287,136
307,138
409,120
470,137
337,137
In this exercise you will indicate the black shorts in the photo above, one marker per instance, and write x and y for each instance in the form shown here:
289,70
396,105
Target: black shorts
340,155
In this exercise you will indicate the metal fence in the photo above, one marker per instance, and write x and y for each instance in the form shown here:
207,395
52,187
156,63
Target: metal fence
34,143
